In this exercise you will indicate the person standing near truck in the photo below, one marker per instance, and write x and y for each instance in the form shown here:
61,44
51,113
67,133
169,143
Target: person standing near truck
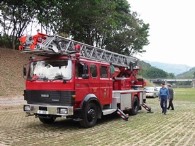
163,96
171,96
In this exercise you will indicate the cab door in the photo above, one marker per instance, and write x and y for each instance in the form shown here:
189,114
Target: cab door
94,85
81,81
105,85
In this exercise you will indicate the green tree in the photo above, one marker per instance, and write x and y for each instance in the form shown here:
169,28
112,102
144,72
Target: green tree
15,16
171,75
108,24
49,13
153,73
129,39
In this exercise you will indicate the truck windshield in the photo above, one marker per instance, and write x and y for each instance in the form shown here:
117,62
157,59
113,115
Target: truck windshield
51,70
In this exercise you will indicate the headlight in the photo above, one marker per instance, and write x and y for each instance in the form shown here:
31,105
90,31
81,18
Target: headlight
63,111
26,107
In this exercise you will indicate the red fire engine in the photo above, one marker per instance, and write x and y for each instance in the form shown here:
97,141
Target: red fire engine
70,79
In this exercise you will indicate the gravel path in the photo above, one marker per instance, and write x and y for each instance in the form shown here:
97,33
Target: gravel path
11,101
177,128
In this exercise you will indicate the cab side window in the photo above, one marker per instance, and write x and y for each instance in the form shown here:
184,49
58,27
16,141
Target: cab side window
103,72
93,71
80,68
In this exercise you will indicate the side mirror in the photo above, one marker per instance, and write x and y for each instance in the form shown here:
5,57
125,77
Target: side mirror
85,68
85,71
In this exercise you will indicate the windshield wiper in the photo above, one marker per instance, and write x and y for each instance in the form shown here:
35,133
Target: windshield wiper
38,79
59,77
44,79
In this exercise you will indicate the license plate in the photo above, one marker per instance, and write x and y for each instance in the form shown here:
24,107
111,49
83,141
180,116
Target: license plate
42,112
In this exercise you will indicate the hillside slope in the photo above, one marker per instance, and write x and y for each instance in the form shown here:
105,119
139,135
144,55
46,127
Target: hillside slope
170,68
187,75
11,79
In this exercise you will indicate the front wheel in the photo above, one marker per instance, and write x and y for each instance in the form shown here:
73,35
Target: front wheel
90,114
47,120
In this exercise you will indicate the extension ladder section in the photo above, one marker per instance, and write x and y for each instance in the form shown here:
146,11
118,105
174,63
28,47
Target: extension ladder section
58,45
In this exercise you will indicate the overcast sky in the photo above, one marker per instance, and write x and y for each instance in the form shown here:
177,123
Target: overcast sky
172,30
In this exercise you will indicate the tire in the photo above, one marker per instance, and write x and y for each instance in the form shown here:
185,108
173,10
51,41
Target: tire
135,107
90,115
47,120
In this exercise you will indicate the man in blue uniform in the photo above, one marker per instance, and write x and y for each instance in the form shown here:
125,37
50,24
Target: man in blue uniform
163,96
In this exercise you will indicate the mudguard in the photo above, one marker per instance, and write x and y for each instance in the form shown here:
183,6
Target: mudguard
92,98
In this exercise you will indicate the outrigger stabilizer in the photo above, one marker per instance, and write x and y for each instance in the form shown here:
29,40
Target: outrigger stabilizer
122,115
147,108
126,116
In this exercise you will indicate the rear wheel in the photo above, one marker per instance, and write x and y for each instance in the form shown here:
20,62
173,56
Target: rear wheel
135,106
47,120
90,115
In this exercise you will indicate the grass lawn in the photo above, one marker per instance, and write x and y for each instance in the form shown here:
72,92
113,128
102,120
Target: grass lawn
185,94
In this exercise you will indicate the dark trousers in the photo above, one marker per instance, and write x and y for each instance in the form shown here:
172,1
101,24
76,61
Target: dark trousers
163,104
171,104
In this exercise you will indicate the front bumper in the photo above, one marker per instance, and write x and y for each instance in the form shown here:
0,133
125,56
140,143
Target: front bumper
61,111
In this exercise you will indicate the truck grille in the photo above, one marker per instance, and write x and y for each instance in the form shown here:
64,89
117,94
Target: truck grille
60,98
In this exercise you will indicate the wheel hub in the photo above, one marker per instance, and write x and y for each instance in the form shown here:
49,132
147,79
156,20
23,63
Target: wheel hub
91,114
